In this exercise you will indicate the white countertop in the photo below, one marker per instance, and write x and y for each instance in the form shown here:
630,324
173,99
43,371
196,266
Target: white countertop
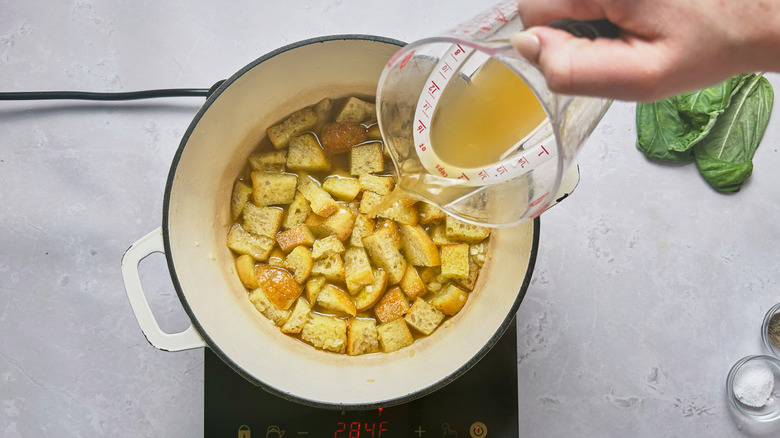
648,286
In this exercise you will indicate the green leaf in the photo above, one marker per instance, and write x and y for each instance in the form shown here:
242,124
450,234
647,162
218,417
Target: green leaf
725,156
659,126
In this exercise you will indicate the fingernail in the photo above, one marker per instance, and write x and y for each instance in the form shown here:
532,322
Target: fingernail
527,44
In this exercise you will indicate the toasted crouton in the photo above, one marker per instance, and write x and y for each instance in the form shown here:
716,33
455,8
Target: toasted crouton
395,230
381,185
270,188
402,211
343,189
305,153
384,254
465,232
429,213
244,242
241,194
455,260
363,227
339,224
412,284
298,123
322,109
366,158
267,308
289,239
332,267
423,317
418,246
245,268
296,212
300,263
449,300
313,286
394,335
279,285
439,235
392,305
356,110
341,137
370,294
320,201
368,201
263,221
333,298
298,317
327,246
276,258
362,337
358,269
271,161
374,133
471,279
326,332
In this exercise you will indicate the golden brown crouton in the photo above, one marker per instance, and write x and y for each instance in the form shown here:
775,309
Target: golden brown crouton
343,189
305,153
370,294
267,308
296,212
341,137
356,110
429,213
362,337
366,158
384,254
245,268
394,335
363,227
449,300
465,232
368,201
402,211
269,188
471,279
300,263
276,258
392,305
412,284
298,317
298,123
289,239
358,269
395,230
381,185
326,332
418,246
263,221
327,246
374,133
241,194
423,317
313,286
320,201
455,260
271,161
438,234
244,242
335,299
332,267
278,284
339,224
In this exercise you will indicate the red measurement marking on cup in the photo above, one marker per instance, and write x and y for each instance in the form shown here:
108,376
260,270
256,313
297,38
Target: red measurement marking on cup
403,61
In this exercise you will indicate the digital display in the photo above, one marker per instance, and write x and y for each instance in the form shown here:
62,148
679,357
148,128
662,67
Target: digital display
357,429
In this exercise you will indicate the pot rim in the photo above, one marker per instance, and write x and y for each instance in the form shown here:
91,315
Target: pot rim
220,87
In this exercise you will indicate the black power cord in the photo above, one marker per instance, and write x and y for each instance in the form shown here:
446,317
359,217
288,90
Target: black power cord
84,95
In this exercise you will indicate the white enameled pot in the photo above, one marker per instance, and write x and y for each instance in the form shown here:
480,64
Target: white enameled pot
196,216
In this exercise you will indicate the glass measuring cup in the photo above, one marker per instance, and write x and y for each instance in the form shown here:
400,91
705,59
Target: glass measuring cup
481,188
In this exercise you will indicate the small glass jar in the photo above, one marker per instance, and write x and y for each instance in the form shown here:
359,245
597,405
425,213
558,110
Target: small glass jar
771,348
770,410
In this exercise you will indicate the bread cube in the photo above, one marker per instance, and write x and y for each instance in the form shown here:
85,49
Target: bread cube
369,201
370,294
449,300
438,234
465,232
279,285
300,263
263,221
455,260
374,133
362,337
314,285
305,153
245,268
320,201
325,332
363,227
412,284
384,254
297,212
273,188
298,123
394,335
423,317
339,224
343,189
276,258
323,109
392,305
332,267
381,185
358,269
335,299
327,246
429,213
244,242
298,317
418,246
241,194
341,137
271,161
289,239
471,279
391,225
264,305
356,110
402,211
366,158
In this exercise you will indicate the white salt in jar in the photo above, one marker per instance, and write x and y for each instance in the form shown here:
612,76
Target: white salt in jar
752,386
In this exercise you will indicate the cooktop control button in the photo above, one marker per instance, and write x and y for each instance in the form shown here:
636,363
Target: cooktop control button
478,430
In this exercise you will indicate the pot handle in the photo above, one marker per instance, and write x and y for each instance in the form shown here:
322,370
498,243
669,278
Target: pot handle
145,246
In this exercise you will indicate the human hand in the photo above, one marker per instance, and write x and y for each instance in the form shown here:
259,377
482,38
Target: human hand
665,46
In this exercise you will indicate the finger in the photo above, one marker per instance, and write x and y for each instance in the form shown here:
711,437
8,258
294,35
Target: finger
539,13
